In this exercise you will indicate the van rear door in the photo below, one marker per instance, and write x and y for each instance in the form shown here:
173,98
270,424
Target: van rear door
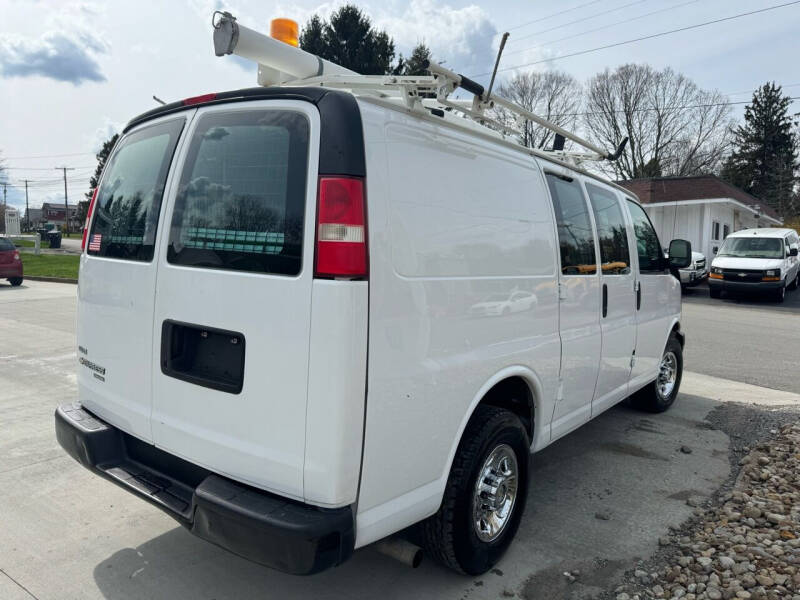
118,277
230,337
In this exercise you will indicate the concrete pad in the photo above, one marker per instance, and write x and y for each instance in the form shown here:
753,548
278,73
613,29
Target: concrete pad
65,533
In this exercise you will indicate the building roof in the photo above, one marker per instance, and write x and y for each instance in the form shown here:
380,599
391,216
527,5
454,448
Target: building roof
57,205
652,190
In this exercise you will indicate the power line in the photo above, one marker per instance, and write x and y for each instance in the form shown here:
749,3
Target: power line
647,37
596,29
540,19
581,20
49,156
39,168
684,107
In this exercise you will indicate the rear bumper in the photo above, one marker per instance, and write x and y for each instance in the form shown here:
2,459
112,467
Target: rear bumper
11,270
744,286
288,536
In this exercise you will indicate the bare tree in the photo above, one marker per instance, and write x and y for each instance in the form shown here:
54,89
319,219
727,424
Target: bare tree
554,95
675,128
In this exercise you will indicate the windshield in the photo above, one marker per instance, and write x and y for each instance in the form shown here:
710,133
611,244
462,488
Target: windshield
753,247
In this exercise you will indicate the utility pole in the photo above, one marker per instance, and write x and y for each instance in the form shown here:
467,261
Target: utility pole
66,206
27,210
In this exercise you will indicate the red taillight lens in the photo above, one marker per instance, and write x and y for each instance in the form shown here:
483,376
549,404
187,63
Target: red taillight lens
16,254
88,219
198,99
341,228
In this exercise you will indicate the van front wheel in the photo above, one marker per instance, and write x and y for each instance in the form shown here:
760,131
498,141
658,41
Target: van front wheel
659,395
485,494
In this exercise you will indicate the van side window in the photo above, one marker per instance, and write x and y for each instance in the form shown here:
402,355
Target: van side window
612,234
651,257
575,235
129,199
242,196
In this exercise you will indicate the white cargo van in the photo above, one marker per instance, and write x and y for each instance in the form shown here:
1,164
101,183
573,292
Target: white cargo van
312,318
760,260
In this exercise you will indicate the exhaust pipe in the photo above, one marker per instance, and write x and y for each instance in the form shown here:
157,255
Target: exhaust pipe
407,553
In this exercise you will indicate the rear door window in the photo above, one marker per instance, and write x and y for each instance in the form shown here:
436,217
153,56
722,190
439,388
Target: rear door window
611,231
241,201
129,199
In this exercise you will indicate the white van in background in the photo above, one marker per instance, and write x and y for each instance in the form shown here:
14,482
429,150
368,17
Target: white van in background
292,324
756,260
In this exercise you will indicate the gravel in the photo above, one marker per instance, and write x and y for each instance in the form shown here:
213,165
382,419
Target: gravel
744,542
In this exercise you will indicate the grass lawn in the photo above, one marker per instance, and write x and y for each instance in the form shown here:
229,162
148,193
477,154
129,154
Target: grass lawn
23,243
51,265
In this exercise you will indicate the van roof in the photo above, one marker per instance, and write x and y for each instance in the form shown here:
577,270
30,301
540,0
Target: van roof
772,232
338,100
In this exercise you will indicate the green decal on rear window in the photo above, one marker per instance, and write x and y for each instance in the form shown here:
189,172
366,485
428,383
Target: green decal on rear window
241,201
128,202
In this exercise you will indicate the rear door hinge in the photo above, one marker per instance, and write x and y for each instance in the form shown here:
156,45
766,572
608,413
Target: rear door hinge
633,359
560,391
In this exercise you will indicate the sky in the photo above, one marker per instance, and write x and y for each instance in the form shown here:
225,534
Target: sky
73,73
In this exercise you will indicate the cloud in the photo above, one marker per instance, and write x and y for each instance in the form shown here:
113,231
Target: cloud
463,37
53,55
67,51
103,133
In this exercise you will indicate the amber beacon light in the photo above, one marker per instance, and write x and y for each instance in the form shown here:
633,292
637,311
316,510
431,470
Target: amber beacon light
284,30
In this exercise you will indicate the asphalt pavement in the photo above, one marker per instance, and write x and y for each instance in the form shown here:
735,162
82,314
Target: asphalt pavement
600,498
751,339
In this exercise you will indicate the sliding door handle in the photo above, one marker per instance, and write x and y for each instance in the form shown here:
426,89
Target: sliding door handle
638,295
605,300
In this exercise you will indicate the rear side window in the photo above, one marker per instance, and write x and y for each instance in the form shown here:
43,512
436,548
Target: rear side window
575,235
6,245
611,232
242,193
651,257
129,199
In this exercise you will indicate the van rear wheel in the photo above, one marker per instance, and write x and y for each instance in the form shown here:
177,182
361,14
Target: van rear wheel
485,494
659,395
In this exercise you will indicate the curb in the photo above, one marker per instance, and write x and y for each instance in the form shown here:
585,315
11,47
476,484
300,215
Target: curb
50,279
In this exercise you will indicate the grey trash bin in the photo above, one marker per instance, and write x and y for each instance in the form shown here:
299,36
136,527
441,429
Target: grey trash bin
55,239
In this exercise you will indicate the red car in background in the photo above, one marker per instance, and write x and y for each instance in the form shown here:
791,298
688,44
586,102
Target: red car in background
10,262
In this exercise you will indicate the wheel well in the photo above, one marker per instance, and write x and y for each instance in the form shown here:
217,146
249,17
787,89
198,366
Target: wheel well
513,394
676,329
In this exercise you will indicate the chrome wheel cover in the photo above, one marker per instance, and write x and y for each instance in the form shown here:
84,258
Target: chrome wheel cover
667,375
495,493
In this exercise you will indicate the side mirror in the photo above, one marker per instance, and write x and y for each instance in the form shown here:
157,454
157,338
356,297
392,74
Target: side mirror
680,254
792,251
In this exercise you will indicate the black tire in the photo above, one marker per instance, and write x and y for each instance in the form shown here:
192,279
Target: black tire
649,398
449,536
15,281
795,282
780,294
714,293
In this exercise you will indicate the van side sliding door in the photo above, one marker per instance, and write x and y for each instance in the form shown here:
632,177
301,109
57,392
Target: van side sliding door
579,305
618,299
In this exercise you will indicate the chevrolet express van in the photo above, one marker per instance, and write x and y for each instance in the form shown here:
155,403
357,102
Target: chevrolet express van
311,318
763,261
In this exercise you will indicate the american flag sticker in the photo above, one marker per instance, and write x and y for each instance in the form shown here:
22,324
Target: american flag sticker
94,243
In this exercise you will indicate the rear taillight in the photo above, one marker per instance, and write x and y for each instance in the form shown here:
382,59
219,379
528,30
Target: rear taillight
16,254
341,228
88,219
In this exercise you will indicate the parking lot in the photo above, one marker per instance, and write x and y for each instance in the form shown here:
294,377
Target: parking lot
65,533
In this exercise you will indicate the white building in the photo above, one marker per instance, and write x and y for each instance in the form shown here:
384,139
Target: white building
702,209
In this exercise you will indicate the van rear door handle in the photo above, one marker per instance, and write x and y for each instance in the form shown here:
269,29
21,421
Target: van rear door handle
605,300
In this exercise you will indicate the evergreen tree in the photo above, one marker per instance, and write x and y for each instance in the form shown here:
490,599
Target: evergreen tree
348,39
764,159
416,63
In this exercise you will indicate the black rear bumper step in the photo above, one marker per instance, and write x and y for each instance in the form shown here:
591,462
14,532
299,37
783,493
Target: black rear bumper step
282,534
